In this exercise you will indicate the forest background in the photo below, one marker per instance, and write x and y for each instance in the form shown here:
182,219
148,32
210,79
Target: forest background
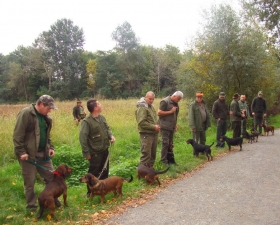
232,52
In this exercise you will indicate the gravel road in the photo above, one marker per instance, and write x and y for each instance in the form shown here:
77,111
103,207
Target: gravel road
242,187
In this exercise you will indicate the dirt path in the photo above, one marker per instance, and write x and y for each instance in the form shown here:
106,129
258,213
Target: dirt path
240,188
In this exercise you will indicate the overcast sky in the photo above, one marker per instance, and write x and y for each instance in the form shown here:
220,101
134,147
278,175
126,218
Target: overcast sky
155,22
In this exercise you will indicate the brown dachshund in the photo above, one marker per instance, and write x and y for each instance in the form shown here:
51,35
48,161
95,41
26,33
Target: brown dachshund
149,174
103,187
267,129
54,189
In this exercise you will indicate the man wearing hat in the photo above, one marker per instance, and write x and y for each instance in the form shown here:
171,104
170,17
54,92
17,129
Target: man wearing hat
220,113
258,109
236,116
199,118
32,142
78,112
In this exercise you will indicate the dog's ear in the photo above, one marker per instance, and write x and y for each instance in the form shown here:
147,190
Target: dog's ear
61,169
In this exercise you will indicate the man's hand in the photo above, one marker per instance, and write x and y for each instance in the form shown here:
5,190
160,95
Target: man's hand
194,130
88,157
24,157
113,139
264,115
51,153
157,127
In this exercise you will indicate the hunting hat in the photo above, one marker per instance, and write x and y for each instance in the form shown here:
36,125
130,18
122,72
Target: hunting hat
236,95
199,94
47,100
260,93
78,101
222,94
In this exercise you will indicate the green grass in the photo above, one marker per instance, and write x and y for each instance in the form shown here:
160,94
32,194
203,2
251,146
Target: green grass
124,159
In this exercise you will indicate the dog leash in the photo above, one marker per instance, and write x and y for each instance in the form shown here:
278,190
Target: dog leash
105,164
42,167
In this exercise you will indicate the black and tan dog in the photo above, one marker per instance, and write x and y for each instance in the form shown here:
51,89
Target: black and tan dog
199,148
102,187
255,134
150,175
249,137
54,189
232,141
267,129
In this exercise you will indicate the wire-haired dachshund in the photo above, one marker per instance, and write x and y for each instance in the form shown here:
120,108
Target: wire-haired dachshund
267,129
199,148
48,197
103,187
232,141
150,175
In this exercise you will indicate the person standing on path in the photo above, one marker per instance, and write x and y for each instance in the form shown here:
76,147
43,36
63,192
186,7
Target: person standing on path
258,109
244,108
220,113
95,139
148,128
236,116
168,112
32,142
199,118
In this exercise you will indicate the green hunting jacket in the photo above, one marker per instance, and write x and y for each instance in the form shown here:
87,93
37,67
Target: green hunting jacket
168,122
146,117
26,136
195,119
236,112
95,135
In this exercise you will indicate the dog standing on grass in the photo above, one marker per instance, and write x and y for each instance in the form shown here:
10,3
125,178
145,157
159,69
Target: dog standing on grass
54,189
150,175
199,148
103,187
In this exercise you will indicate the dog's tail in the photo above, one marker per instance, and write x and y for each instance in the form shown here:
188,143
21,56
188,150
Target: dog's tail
211,144
128,180
161,172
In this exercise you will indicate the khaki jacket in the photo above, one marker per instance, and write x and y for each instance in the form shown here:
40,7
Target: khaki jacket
195,119
95,135
26,136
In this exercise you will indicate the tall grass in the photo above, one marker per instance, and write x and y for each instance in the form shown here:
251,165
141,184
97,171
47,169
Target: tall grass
124,158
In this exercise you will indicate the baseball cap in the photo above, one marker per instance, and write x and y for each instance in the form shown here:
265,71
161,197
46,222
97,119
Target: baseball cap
260,93
47,100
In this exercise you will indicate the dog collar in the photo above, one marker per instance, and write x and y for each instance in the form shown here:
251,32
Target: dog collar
57,173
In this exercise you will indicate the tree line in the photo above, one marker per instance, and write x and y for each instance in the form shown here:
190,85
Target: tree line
232,52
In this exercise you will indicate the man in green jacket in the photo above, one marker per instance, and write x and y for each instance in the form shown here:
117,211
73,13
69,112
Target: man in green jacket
199,118
78,112
148,128
168,112
244,108
236,116
95,138
32,142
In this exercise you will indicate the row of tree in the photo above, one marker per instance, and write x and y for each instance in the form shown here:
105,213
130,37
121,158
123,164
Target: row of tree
230,53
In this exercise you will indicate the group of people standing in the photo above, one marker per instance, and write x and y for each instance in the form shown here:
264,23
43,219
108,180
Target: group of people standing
33,146
238,111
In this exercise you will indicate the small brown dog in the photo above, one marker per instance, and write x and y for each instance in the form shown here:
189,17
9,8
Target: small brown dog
103,187
54,189
267,129
149,174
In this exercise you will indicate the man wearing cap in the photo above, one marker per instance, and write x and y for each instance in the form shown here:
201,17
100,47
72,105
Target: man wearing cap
32,142
220,113
236,116
199,118
168,112
243,107
258,109
78,112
